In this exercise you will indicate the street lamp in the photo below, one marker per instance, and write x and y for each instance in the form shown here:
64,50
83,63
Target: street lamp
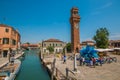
76,51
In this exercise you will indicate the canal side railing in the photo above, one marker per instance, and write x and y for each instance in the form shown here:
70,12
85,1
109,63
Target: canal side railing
60,76
54,72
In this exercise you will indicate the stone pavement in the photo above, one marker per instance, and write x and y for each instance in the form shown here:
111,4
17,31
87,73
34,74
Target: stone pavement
105,72
4,61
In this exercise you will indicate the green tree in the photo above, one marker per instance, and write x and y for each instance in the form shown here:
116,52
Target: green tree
27,43
68,46
51,49
101,38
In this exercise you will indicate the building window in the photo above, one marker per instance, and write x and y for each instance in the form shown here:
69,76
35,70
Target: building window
56,44
44,50
60,44
53,45
13,42
56,50
14,33
44,44
50,44
60,50
5,40
6,30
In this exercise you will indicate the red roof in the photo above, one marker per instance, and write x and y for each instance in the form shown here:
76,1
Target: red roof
114,40
88,41
52,40
29,45
4,25
33,45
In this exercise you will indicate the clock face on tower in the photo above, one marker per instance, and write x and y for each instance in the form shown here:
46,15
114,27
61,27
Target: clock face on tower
77,25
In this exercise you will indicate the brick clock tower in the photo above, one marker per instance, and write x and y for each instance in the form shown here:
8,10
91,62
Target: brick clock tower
74,21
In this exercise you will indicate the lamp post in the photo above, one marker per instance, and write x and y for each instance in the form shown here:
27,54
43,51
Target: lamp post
75,65
75,52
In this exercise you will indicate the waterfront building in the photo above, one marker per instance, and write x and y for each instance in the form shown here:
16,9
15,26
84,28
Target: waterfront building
114,44
29,46
9,38
55,43
88,42
25,45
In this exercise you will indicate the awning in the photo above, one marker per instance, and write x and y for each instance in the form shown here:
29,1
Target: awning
104,50
116,48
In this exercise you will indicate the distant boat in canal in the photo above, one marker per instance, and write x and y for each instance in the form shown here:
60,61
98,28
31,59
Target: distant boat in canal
9,71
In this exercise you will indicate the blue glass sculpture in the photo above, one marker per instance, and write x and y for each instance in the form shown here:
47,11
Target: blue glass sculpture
88,52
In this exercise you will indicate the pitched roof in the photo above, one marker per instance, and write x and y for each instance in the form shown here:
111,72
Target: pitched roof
88,41
33,45
114,41
52,40
4,25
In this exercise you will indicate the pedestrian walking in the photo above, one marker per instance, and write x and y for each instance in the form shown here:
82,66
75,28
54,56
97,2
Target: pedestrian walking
100,60
91,62
9,53
12,60
81,61
64,59
94,61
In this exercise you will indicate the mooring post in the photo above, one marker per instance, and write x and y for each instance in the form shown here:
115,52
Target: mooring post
53,68
67,73
56,72
51,71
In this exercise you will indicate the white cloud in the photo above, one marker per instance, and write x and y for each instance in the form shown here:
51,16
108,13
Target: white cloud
115,36
106,5
98,10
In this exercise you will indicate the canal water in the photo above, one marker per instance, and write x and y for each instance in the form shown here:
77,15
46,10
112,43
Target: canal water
31,68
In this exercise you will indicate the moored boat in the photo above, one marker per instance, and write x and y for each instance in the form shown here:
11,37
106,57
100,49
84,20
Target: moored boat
9,71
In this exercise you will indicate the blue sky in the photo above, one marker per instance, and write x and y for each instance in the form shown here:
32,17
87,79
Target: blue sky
39,20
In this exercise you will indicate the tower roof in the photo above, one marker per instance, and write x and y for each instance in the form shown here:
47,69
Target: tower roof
74,9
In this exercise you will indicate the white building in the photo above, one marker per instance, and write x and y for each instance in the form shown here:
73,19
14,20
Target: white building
55,43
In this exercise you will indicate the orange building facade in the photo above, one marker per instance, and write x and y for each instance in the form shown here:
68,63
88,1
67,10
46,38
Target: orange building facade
9,38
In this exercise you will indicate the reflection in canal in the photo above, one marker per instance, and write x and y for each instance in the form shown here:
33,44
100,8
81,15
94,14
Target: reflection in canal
31,68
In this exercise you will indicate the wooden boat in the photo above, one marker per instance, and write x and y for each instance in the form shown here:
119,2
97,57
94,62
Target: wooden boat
9,71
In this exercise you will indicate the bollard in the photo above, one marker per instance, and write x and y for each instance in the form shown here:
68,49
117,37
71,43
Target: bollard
53,68
67,73
56,73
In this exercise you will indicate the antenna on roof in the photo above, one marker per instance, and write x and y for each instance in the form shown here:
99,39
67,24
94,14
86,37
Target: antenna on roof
4,19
